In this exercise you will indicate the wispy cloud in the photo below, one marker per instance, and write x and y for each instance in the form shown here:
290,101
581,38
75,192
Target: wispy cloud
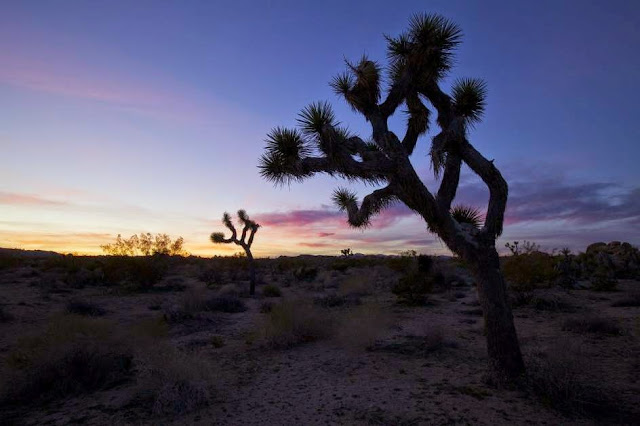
18,199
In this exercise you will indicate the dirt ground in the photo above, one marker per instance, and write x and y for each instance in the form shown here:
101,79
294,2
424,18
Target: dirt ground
377,363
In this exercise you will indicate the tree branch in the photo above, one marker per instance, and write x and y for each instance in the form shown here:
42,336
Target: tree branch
371,205
498,189
396,95
417,123
449,183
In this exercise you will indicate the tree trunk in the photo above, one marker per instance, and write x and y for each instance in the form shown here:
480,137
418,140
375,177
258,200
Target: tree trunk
502,340
252,274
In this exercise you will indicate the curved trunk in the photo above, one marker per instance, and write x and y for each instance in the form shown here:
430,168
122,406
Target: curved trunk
252,273
502,339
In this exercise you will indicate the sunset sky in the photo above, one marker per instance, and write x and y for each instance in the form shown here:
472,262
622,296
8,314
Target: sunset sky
150,116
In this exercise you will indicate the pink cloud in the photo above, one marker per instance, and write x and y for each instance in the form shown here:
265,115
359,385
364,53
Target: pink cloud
12,198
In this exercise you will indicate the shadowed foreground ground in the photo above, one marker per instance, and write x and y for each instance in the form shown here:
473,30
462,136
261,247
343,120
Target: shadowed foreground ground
335,348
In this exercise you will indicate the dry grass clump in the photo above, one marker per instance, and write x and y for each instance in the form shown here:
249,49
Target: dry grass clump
84,307
271,291
293,322
196,301
592,324
74,355
5,316
557,377
173,383
362,326
631,300
356,285
422,343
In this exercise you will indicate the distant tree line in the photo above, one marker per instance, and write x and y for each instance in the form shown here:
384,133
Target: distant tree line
145,244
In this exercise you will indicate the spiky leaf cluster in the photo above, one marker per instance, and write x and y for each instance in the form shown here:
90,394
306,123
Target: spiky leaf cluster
469,97
315,118
343,198
284,148
426,49
217,237
243,217
467,214
359,85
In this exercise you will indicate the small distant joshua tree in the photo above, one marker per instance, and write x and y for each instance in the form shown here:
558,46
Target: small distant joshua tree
346,252
249,227
418,61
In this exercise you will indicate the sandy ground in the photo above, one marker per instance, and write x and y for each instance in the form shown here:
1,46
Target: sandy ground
340,380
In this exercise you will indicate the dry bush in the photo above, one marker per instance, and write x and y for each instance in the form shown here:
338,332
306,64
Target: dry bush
294,322
362,326
271,291
524,272
74,355
5,316
84,307
333,300
231,290
557,377
173,383
423,342
631,300
592,324
195,301
357,285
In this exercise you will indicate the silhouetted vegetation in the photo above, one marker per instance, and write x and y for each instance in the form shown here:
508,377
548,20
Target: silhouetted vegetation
145,245
249,229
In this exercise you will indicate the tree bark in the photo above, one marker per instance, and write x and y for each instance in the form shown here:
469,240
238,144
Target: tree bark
252,274
502,340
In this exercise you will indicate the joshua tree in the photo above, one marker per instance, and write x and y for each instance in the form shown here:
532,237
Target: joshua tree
250,227
418,60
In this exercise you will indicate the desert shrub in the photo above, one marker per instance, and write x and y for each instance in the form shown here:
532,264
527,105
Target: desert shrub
305,273
333,300
5,316
294,322
344,263
210,276
172,383
8,261
551,304
150,328
227,304
231,290
424,343
403,262
266,307
603,279
84,307
628,301
271,291
356,285
413,288
418,281
217,341
592,324
362,326
135,273
524,272
557,377
75,355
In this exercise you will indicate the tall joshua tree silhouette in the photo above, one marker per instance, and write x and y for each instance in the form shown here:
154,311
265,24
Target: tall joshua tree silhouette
249,227
418,60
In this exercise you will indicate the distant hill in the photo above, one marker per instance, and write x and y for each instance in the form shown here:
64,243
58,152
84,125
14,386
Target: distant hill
27,253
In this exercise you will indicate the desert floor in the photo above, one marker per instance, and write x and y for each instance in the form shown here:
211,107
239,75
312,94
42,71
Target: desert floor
367,361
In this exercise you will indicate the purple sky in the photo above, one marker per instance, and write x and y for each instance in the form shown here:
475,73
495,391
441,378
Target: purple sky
124,117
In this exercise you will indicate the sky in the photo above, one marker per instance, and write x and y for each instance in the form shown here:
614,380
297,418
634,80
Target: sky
120,117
